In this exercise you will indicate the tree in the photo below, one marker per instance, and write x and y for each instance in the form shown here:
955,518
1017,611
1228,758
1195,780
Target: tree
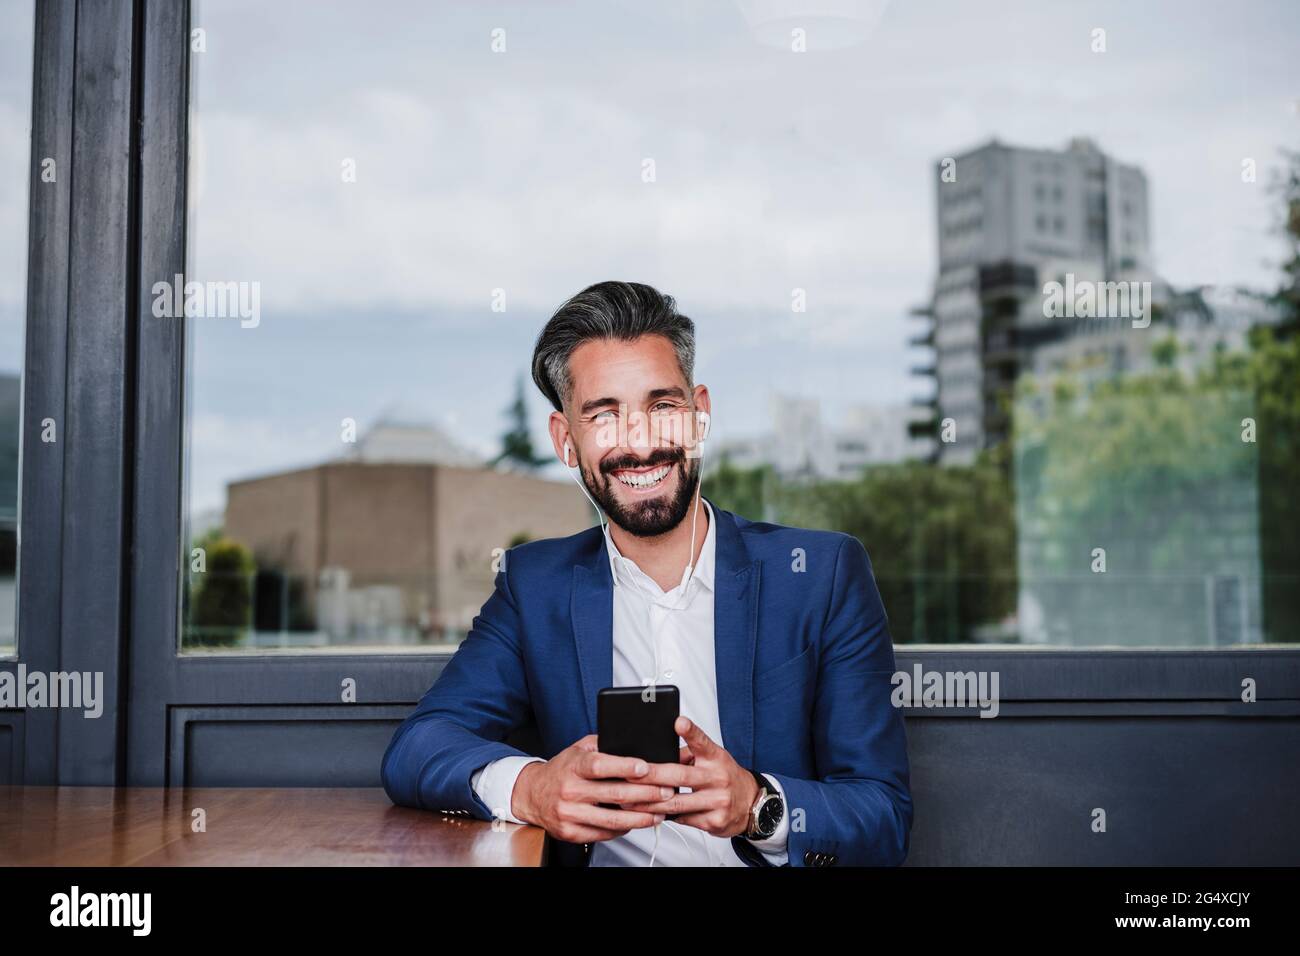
942,541
516,444
743,491
1286,298
1187,483
221,608
1274,373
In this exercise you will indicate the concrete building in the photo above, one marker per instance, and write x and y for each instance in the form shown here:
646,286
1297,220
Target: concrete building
1008,218
388,553
408,438
1010,221
1201,321
1014,204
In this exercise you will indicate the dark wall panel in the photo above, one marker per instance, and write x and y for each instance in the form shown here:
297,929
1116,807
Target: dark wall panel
319,752
1177,790
7,745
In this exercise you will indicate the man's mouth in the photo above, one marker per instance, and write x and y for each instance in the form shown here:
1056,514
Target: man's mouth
643,479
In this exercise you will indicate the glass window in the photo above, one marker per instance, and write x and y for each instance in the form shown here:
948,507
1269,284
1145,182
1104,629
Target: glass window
386,209
16,45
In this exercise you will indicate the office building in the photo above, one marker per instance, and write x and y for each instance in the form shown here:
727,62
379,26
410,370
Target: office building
1010,218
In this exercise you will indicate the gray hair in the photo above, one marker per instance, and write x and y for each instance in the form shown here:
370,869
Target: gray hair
608,310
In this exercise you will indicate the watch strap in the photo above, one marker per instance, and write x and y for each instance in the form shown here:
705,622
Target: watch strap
766,790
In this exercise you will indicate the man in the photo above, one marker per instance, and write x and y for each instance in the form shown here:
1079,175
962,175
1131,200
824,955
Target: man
775,637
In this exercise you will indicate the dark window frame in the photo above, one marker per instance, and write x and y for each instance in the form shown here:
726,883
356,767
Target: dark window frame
100,570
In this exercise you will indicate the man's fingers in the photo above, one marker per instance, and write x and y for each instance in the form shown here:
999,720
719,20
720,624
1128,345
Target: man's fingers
694,802
587,743
675,775
607,819
685,756
697,740
599,766
617,791
577,833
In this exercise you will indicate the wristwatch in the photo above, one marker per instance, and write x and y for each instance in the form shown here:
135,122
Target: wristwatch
766,813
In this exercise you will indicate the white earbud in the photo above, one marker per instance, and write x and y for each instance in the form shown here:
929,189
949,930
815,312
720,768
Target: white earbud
704,423
565,459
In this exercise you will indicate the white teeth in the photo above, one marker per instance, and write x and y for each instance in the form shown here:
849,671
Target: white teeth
644,480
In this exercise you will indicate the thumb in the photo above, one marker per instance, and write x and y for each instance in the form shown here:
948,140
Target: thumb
587,743
697,740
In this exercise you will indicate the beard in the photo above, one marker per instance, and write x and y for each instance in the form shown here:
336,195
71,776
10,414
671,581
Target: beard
653,516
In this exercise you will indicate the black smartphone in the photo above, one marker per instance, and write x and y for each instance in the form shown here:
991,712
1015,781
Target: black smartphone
638,722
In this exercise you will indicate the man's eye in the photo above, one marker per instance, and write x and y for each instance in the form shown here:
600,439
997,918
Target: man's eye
600,415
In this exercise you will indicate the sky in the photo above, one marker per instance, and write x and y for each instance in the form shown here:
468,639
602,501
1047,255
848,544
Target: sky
522,170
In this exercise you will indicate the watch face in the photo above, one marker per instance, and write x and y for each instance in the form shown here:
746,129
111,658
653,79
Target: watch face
769,816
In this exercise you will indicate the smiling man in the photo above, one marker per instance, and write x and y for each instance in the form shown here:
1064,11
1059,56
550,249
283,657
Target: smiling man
791,752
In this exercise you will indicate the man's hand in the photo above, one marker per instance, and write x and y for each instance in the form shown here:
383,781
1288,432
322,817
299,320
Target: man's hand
722,791
561,794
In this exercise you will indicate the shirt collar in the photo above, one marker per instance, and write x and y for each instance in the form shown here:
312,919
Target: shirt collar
626,572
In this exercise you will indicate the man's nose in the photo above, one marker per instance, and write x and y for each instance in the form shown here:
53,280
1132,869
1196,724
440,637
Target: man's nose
641,438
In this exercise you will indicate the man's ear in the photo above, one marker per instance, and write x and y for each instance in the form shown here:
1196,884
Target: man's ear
560,435
703,403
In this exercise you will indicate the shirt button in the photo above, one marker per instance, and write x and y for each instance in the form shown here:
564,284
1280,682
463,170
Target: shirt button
668,673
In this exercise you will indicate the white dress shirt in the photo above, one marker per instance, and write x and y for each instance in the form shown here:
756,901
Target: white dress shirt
656,641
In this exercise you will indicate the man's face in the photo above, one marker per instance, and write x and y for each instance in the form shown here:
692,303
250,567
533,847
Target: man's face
631,420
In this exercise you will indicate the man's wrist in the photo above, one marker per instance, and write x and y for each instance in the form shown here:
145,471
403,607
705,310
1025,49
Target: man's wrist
755,791
764,790
520,796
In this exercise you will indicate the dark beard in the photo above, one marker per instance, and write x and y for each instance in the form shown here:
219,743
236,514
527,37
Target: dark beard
655,516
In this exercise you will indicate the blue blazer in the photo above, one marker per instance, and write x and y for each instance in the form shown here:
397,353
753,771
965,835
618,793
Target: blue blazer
804,667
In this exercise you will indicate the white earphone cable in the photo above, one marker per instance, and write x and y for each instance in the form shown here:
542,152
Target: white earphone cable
687,576
688,573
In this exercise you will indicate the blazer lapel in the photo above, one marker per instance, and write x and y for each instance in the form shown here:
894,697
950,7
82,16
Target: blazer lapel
735,632
735,636
592,612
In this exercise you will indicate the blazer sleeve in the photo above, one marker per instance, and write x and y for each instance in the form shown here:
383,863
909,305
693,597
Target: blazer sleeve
460,723
858,812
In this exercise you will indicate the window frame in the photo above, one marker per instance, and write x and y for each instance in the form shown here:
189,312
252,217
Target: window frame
100,566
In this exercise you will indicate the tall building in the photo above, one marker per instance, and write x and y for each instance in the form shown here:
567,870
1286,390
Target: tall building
1011,221
1008,220
1003,203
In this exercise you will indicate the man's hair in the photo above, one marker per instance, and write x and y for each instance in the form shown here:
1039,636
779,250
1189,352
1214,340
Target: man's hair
608,310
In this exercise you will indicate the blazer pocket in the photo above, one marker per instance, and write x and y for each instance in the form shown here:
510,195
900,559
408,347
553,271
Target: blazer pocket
792,673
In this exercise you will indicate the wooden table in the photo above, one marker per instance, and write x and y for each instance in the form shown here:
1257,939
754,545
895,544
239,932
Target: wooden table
155,826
